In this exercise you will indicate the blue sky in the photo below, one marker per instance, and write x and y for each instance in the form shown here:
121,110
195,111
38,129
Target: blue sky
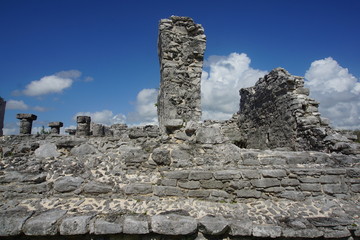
63,58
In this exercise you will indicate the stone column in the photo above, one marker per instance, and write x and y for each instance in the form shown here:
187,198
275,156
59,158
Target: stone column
2,114
70,131
181,46
98,130
83,125
55,127
26,120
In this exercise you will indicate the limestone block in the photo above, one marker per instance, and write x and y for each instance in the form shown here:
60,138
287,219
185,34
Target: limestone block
213,225
248,193
209,135
12,221
241,228
173,224
199,193
162,191
138,188
177,174
82,150
44,224
97,188
227,174
76,225
200,175
161,156
47,150
266,231
67,183
189,184
135,225
274,173
103,227
265,182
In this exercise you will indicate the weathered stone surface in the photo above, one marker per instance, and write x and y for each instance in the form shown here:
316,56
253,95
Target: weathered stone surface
75,225
200,175
82,150
301,233
265,182
241,228
209,135
227,174
161,156
103,227
11,222
135,225
67,183
138,188
43,224
47,150
167,191
277,173
213,225
173,224
97,188
181,46
248,193
189,184
266,231
83,125
55,127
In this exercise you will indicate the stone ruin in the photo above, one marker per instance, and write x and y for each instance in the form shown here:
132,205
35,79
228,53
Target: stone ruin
276,169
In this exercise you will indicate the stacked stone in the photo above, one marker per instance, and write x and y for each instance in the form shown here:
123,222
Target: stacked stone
55,127
2,114
26,120
83,125
277,112
70,131
181,46
98,130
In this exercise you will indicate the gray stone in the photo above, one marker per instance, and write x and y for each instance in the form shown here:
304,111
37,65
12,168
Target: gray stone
292,195
329,179
335,188
177,175
355,188
76,225
97,188
213,225
310,187
199,193
328,221
167,191
47,150
248,193
161,156
173,224
135,225
138,188
173,124
26,120
330,233
227,175
250,174
83,126
289,182
82,150
241,228
189,184
266,231
55,127
265,182
211,184
11,222
103,227
200,175
43,224
209,135
301,233
274,173
67,183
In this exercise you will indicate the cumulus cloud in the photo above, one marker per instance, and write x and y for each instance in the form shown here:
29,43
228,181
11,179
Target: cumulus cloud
16,105
55,83
145,108
221,84
337,90
105,117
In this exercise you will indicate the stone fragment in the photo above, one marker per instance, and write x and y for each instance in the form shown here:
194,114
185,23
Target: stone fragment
241,228
209,135
12,221
173,124
43,224
55,127
310,187
97,188
82,150
76,225
211,184
103,227
26,120
161,156
213,225
135,225
138,188
47,150
67,183
266,231
173,224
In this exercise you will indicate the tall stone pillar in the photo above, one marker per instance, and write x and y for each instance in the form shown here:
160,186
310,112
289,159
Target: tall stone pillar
83,125
181,47
26,120
2,114
55,127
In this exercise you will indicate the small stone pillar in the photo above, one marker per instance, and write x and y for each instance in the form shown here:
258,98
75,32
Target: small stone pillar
70,131
2,114
55,127
83,125
98,130
26,120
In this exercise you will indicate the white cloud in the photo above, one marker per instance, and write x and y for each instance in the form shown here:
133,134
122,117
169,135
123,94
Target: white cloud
39,109
146,112
16,105
105,117
220,86
337,90
55,83
11,128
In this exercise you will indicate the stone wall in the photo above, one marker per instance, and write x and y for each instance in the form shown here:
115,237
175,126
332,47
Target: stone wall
181,46
2,114
277,112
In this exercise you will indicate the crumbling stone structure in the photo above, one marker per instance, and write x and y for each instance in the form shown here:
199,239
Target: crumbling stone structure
70,131
277,112
26,120
2,114
181,46
55,127
83,125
